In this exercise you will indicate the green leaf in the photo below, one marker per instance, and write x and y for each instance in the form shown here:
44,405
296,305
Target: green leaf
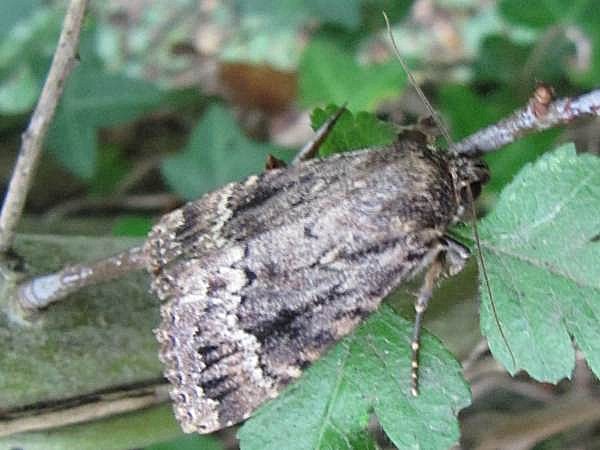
352,132
291,13
14,11
190,442
217,153
329,407
544,13
501,60
541,250
28,34
329,74
19,91
93,99
132,226
506,163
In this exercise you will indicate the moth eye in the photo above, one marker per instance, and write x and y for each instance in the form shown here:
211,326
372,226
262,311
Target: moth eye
476,189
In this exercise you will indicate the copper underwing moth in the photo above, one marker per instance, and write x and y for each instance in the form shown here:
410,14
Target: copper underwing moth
258,278
261,276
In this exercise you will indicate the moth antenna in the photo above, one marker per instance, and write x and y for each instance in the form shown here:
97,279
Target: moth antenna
436,117
444,129
485,275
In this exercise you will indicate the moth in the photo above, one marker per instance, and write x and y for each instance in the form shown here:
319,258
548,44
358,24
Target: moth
260,277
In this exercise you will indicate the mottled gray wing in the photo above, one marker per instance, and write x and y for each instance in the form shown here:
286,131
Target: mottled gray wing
240,326
397,181
296,265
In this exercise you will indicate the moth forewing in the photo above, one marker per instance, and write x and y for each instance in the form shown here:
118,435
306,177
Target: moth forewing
260,277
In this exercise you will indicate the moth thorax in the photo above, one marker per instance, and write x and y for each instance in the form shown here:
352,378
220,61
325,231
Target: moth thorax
467,173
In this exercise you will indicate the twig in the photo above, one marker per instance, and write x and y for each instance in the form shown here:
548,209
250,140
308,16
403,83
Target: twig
103,406
500,381
480,349
310,148
523,431
540,114
141,202
33,137
41,291
140,170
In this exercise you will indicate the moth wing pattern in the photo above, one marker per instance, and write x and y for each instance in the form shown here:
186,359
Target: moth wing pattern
297,262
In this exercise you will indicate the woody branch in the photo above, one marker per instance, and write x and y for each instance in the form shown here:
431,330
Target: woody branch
33,138
40,291
542,112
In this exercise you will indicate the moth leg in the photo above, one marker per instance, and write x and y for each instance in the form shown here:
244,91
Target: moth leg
311,147
425,293
450,260
274,163
455,256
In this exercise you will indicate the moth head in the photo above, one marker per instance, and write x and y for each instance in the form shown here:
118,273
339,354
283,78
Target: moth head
468,173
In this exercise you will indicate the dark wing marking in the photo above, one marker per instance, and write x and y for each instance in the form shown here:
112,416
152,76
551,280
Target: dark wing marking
260,277
230,341
401,175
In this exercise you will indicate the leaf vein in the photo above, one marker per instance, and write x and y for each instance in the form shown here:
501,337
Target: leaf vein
329,408
539,264
527,228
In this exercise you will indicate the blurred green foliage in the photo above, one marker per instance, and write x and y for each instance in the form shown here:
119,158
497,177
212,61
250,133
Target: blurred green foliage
543,41
217,153
29,31
330,74
352,132
92,100
127,225
190,442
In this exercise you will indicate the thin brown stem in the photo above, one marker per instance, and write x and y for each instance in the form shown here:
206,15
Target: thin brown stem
311,148
41,291
87,409
141,202
33,137
536,116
